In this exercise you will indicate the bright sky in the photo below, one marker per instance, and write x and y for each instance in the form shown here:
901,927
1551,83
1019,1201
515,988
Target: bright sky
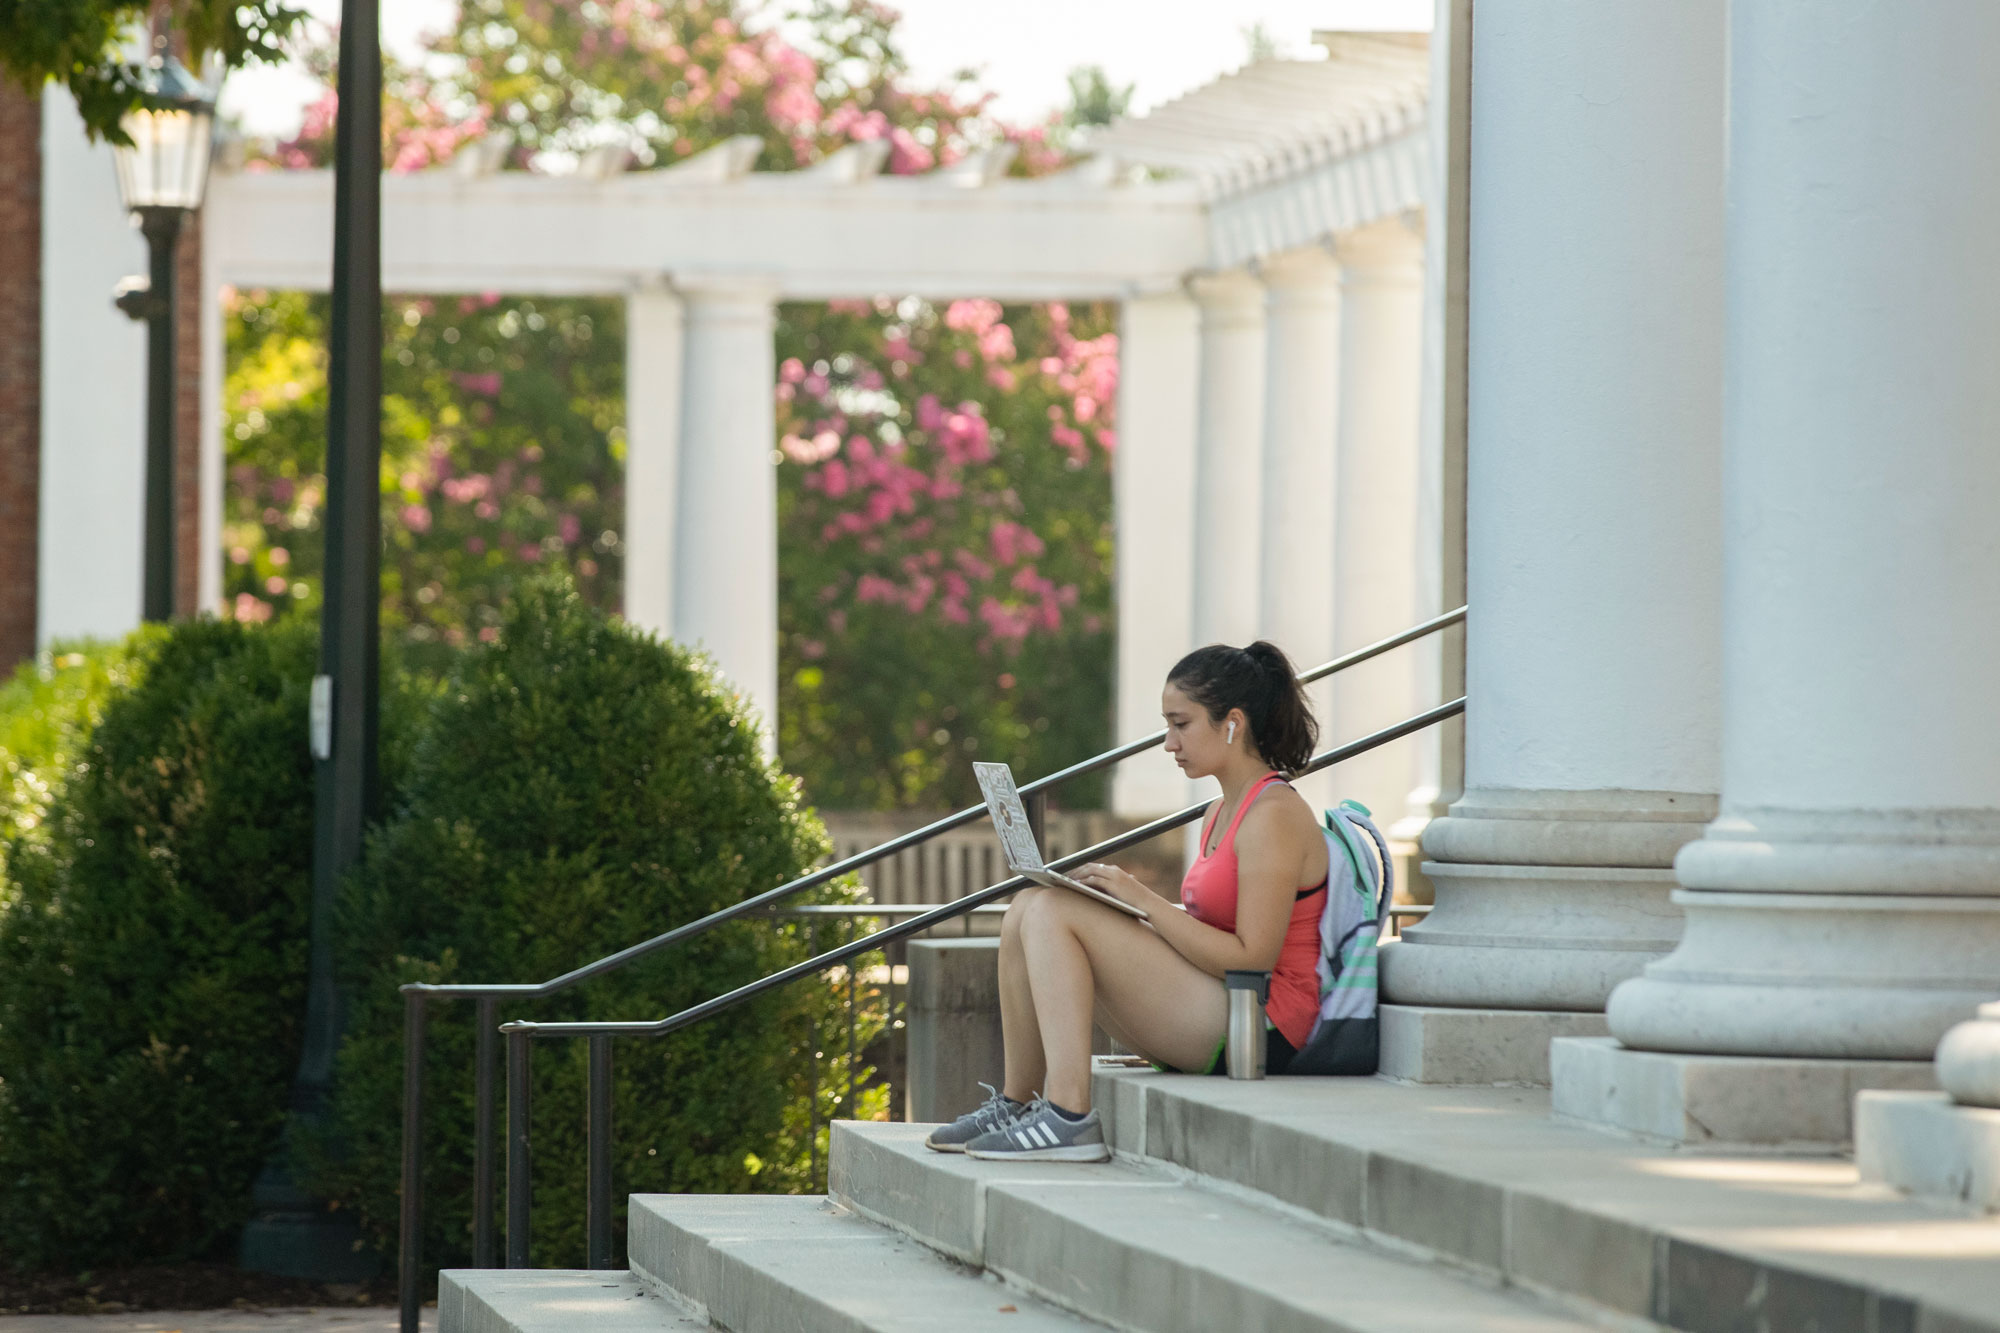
1023,48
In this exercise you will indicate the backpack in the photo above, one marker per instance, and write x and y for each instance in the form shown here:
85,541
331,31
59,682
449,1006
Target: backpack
1361,880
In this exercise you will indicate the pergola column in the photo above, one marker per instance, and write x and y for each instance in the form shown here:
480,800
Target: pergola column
1153,495
725,564
653,355
1229,471
1381,386
1844,909
1294,586
1594,424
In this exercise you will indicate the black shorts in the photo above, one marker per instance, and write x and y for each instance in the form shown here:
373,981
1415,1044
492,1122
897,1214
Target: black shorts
1278,1055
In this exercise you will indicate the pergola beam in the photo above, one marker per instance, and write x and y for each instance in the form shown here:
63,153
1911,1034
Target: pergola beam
1059,238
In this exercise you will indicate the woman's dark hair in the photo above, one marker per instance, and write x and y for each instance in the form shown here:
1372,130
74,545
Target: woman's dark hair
1260,681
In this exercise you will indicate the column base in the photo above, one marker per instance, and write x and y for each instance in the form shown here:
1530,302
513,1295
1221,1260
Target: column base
1922,1143
1532,937
1733,1101
1504,1047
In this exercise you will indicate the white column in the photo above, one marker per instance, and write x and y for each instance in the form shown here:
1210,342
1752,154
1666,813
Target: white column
1301,425
1846,903
1381,390
1968,1060
1594,424
1229,463
1439,559
653,356
93,390
726,527
1153,498
1942,1144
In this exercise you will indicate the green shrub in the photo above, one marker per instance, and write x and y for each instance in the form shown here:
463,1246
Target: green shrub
580,787
153,954
151,966
47,710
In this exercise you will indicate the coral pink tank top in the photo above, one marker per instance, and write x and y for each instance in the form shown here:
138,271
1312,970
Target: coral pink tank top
1209,894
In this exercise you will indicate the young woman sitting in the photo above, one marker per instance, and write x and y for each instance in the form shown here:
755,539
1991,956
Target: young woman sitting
1253,900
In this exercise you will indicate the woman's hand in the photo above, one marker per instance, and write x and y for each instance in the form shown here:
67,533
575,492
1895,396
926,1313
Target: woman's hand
1120,884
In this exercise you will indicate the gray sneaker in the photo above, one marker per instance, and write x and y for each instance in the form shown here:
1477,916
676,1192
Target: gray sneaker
996,1112
1042,1135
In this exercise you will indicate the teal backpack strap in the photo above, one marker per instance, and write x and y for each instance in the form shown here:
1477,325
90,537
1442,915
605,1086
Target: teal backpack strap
1357,814
1342,833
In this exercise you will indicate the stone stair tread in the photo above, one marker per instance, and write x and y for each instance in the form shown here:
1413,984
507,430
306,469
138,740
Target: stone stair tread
778,1262
1487,1176
1150,1249
556,1300
1183,1258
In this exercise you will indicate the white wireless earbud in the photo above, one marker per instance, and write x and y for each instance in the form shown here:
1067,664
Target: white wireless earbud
1231,738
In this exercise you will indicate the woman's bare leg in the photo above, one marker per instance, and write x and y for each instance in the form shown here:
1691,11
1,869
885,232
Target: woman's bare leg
1080,955
1020,1031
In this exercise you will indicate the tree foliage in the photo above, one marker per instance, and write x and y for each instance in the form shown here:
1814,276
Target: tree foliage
89,47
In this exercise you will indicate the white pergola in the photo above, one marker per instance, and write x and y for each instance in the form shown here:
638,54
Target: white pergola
1260,233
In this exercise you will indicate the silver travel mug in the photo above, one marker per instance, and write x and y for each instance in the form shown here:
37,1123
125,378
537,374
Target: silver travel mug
1248,992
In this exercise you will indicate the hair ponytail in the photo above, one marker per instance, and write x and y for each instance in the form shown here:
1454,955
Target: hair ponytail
1259,680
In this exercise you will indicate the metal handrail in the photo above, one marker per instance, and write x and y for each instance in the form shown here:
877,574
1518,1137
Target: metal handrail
903,842
520,1033
487,995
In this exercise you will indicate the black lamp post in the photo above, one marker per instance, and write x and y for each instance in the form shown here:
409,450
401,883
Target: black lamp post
293,1233
161,176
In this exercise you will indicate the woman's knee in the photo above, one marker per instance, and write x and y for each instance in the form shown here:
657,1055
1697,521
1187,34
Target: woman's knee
1018,912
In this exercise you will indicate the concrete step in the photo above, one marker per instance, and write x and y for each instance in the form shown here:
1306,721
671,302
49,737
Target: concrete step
1690,1240
773,1263
1146,1248
555,1300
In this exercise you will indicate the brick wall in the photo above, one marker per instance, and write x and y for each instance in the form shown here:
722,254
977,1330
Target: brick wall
20,368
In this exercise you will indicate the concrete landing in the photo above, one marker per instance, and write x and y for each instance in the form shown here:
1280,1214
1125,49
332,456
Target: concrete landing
1486,1176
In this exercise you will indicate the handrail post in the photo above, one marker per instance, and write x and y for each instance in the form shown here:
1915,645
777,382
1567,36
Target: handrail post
598,1199
519,1191
410,1257
485,1071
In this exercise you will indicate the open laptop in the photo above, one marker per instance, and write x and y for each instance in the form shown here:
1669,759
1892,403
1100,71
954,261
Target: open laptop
1017,839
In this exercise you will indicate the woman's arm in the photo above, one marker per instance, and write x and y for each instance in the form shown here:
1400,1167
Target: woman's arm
1271,846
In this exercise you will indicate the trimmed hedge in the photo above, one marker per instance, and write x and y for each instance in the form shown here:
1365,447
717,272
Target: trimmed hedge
153,952
574,788
580,787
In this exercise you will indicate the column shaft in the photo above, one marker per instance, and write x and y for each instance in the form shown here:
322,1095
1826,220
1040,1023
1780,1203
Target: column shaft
1593,401
1846,904
1381,349
1154,499
1302,400
725,565
1440,552
1229,463
653,355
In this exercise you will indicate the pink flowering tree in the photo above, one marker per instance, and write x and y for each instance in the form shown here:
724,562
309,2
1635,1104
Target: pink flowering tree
944,563
945,486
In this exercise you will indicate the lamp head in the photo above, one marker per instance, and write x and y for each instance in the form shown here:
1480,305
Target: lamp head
172,133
